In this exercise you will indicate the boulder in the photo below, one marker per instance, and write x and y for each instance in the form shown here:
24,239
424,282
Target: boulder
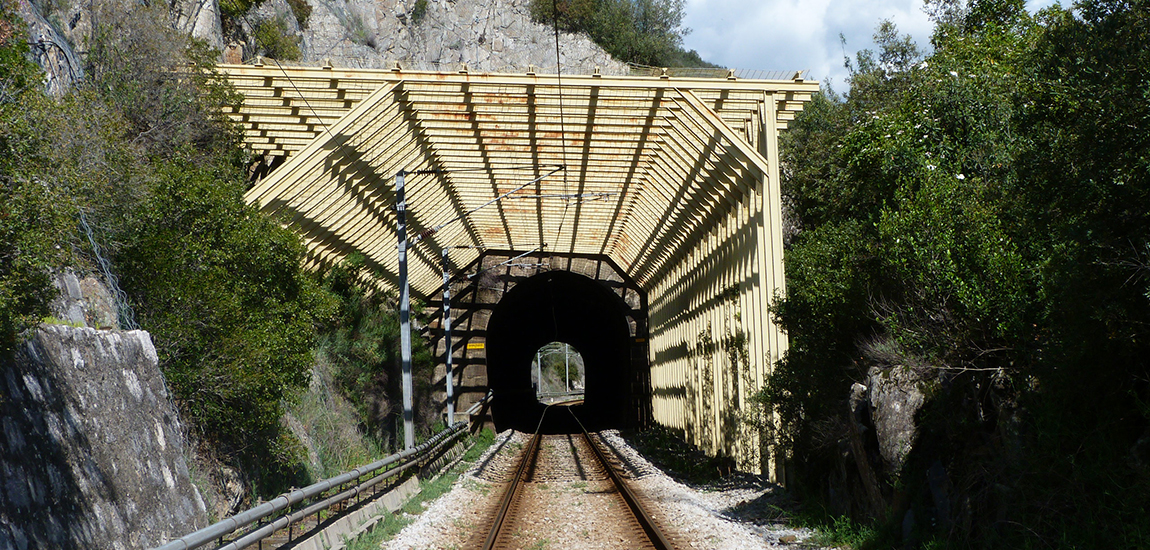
895,396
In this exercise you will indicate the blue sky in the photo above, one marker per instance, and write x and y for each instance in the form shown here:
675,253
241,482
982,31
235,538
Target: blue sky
798,34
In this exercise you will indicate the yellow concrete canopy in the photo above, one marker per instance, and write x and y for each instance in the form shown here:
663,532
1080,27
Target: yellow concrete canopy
647,159
674,179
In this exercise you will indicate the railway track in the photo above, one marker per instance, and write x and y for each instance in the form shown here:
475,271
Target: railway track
615,513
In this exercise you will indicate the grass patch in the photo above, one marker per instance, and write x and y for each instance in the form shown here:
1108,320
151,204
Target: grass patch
332,424
50,320
841,531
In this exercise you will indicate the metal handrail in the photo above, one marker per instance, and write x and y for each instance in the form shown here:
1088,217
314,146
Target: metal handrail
243,519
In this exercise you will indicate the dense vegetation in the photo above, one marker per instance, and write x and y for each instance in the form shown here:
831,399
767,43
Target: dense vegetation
362,342
646,32
979,219
142,156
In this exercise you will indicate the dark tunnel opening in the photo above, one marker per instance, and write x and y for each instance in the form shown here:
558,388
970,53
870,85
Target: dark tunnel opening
565,307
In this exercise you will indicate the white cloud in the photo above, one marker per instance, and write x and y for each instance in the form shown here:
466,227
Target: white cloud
794,34
787,35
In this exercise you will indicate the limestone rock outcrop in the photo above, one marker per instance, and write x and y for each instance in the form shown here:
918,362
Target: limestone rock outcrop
91,449
444,35
895,395
51,49
83,301
199,19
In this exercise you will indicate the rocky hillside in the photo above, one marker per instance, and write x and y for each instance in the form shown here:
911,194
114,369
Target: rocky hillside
484,35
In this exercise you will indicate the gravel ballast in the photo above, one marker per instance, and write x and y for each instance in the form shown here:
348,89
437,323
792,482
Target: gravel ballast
737,516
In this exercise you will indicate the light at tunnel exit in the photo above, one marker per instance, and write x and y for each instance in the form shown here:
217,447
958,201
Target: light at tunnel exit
557,372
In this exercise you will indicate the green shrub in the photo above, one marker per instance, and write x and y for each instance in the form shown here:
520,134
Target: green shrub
221,289
647,32
419,11
33,219
274,40
302,11
979,215
233,9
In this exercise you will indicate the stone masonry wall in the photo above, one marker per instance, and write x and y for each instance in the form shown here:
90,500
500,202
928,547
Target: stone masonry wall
91,451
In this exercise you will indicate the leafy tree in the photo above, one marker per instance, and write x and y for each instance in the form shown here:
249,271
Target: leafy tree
31,216
220,287
979,216
646,32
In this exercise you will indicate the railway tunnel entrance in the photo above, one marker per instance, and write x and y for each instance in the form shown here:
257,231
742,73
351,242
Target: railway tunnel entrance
672,179
567,307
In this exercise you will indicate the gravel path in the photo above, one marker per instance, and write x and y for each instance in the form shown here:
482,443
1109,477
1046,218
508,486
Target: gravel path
737,517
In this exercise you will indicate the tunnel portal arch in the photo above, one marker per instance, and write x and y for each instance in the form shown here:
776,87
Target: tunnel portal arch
568,307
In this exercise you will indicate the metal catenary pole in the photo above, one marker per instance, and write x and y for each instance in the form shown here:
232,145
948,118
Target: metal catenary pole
404,314
447,339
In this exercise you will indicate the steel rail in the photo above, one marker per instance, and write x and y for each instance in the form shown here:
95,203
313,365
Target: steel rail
657,538
230,525
514,489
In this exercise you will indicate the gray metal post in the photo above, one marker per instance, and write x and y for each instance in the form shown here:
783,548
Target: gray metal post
447,339
567,365
404,315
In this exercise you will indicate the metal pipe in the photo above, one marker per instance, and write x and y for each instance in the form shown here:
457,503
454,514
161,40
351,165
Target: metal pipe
429,232
447,338
268,530
404,315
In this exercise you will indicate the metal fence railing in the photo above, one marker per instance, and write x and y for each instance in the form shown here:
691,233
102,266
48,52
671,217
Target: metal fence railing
249,527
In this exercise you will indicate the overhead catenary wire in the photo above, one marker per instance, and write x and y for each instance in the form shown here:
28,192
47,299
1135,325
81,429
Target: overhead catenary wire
304,98
508,261
580,196
562,118
429,232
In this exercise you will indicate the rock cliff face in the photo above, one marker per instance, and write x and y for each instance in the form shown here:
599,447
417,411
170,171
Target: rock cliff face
199,19
91,452
485,35
51,49
446,35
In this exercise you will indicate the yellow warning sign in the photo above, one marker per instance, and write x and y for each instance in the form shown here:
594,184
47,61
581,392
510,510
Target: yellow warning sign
477,345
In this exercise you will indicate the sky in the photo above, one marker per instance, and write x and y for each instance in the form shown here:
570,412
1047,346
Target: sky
789,35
